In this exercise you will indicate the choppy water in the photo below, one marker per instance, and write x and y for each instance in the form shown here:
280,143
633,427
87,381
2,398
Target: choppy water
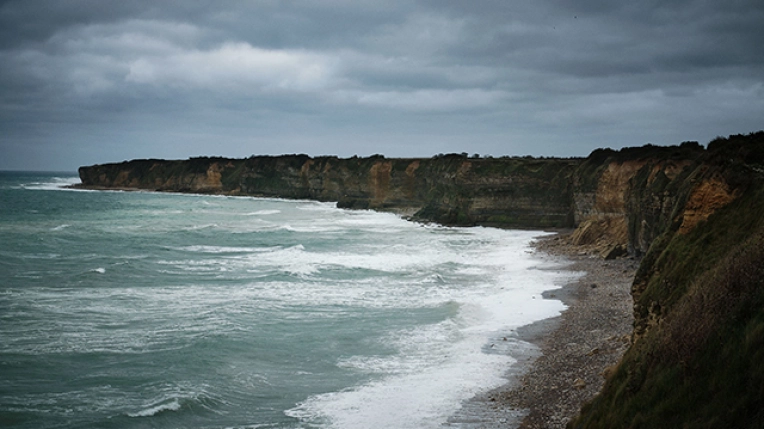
132,310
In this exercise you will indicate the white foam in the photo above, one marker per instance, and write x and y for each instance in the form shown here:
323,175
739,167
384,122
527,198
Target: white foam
54,183
297,260
224,249
201,226
437,367
424,387
317,206
172,405
263,212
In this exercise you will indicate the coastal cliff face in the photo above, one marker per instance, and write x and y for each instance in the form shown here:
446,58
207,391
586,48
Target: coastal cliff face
451,189
693,215
698,342
619,200
624,200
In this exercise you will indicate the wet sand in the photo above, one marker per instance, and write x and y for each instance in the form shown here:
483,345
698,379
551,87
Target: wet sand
563,359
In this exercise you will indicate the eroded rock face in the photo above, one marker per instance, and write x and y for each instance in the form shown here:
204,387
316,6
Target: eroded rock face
603,214
706,198
606,236
614,185
453,190
630,198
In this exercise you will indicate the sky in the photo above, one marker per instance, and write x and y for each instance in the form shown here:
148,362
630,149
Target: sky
93,81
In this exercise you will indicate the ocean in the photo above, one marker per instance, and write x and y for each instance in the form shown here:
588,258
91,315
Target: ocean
156,310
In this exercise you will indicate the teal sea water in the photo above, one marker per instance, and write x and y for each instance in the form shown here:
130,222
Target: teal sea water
147,310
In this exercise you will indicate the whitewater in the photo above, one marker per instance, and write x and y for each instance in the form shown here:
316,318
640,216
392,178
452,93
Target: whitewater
138,309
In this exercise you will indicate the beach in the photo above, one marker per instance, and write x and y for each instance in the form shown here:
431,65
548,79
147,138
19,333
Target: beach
566,358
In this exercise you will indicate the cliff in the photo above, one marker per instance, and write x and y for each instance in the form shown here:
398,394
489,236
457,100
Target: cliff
697,352
619,200
692,214
450,189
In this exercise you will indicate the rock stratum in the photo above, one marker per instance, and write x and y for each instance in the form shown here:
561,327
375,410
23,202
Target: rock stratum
694,215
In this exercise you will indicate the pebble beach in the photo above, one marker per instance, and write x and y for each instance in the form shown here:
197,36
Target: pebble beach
566,358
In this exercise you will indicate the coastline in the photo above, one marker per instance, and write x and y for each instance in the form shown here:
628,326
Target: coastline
563,360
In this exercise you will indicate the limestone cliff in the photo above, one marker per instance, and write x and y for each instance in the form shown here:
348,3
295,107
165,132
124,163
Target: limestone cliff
619,200
698,342
623,200
451,189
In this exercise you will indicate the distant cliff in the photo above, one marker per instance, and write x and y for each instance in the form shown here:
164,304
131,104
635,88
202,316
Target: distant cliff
619,200
694,215
449,189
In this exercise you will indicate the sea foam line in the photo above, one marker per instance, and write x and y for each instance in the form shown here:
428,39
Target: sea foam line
172,405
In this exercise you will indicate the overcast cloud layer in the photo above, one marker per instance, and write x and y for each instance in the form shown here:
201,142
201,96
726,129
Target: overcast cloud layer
91,81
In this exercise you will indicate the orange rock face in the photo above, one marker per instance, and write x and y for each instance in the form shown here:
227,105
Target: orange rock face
614,185
707,197
379,177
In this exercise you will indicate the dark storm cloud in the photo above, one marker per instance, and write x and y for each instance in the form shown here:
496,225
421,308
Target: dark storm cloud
93,81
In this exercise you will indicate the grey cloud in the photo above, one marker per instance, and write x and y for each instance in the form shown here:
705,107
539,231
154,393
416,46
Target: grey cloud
97,79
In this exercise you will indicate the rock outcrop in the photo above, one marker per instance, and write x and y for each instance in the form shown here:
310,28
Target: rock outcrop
623,200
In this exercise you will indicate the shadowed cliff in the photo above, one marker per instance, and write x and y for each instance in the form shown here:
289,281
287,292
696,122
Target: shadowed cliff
450,189
697,353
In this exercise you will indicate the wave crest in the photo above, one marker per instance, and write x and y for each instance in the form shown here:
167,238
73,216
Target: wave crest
154,409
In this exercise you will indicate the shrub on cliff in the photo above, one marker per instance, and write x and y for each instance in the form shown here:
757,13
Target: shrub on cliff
746,149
